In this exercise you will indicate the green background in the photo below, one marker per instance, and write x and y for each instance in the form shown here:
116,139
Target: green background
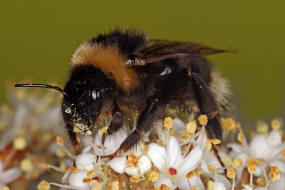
37,39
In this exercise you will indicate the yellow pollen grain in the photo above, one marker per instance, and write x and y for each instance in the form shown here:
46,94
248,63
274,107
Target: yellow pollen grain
153,176
73,170
228,124
194,187
231,173
190,174
240,137
203,119
165,187
276,124
216,141
103,130
115,185
43,166
237,163
19,143
90,173
211,185
5,188
251,168
274,173
135,179
43,185
96,186
212,168
208,145
260,182
191,127
86,180
132,160
198,172
26,165
168,122
59,141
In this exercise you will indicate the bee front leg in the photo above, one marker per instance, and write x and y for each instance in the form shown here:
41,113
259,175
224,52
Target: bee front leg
74,138
116,123
207,105
145,122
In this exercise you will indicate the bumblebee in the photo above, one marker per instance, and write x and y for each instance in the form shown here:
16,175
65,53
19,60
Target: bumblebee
124,69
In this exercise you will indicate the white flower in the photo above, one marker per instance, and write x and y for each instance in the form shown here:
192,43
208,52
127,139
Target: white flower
268,148
119,165
110,146
85,161
174,166
76,180
9,175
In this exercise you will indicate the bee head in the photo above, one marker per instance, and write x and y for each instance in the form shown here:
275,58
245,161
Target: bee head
88,89
84,96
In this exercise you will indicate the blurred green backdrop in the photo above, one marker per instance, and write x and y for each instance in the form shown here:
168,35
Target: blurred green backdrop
37,39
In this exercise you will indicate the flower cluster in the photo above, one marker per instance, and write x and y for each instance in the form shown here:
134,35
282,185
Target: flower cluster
175,155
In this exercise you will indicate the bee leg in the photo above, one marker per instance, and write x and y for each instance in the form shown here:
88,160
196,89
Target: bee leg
116,123
207,105
74,139
145,122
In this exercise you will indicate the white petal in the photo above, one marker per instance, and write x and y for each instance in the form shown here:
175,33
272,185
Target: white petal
223,180
259,147
10,175
236,148
166,181
85,161
144,164
76,180
278,184
247,187
190,162
173,152
111,144
258,171
118,164
202,138
274,138
219,186
157,154
185,183
132,171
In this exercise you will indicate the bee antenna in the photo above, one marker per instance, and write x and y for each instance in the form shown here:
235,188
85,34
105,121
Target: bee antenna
43,86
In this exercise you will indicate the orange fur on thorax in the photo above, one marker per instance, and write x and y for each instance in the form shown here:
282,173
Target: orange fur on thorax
108,60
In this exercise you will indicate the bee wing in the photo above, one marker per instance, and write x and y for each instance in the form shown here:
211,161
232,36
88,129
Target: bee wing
164,49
